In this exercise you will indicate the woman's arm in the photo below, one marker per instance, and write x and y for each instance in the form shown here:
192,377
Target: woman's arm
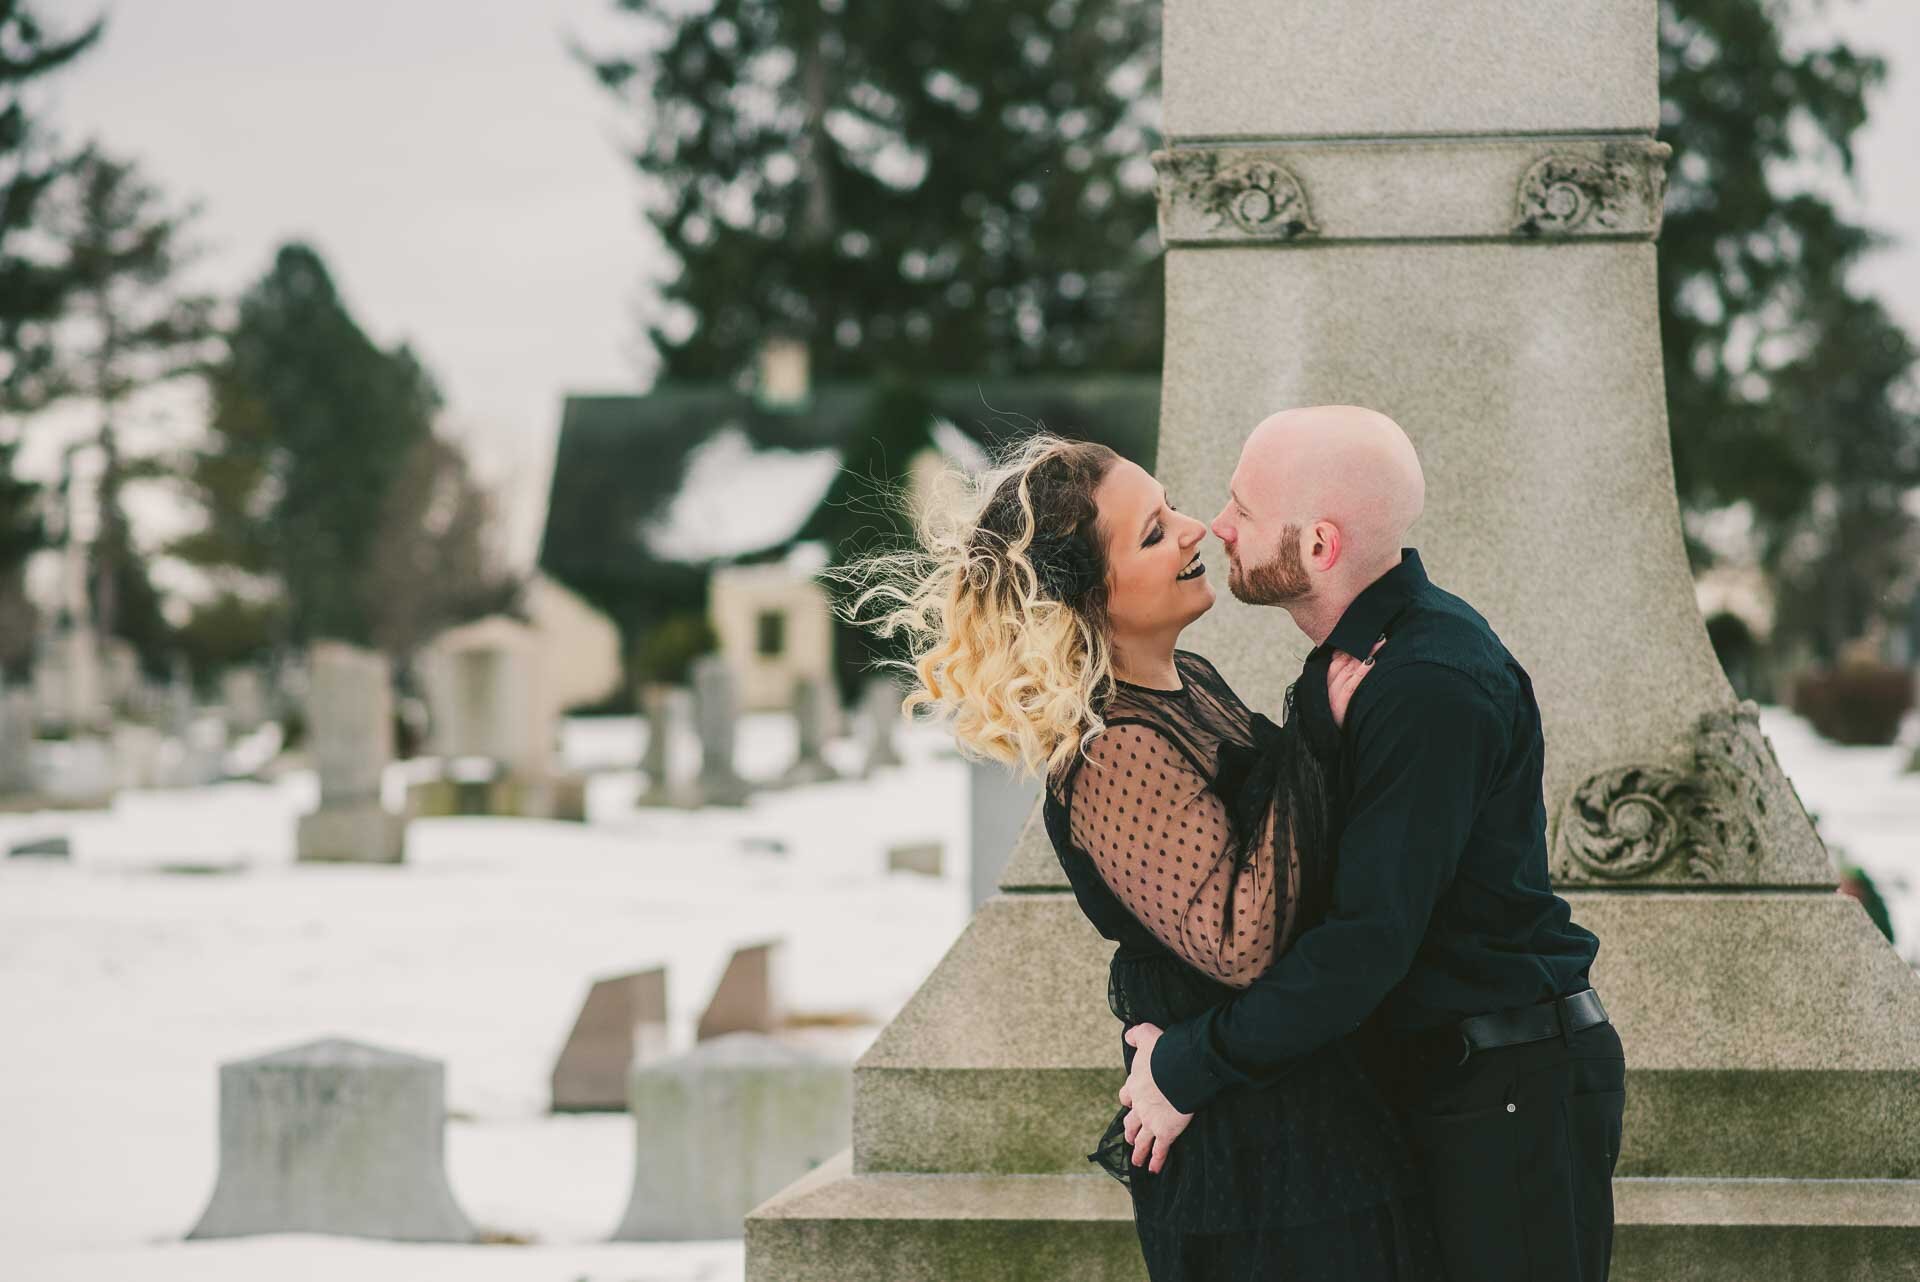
1143,812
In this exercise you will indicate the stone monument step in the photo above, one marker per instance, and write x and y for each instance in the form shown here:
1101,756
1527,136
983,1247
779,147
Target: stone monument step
1721,1230
852,1227
1013,1023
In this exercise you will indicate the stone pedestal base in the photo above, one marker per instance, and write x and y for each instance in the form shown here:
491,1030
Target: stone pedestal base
837,1225
363,834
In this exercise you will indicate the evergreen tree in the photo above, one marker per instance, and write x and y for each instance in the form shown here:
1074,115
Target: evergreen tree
1787,389
33,292
959,185
128,326
312,424
435,567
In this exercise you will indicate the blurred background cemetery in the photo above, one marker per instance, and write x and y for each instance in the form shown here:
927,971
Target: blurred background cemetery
422,432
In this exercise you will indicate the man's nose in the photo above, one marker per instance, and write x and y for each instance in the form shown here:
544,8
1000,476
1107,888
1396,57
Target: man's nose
1221,530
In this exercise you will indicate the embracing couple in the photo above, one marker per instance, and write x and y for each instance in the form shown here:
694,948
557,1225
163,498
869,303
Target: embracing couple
1359,1036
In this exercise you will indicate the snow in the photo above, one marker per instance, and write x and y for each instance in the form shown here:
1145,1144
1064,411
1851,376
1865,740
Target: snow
1866,808
123,986
737,500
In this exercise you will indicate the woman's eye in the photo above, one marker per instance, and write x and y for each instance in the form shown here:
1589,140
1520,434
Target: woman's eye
1152,538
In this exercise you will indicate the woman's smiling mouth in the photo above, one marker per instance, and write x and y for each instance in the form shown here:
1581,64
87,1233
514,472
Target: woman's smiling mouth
1195,568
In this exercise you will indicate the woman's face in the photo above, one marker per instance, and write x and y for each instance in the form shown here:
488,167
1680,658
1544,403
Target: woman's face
1155,581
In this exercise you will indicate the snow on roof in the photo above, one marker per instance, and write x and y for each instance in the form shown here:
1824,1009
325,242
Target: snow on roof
961,450
736,500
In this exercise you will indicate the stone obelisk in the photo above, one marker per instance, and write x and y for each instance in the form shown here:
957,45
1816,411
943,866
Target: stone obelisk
1447,212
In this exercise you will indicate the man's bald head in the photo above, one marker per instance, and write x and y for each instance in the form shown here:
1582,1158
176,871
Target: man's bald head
1321,503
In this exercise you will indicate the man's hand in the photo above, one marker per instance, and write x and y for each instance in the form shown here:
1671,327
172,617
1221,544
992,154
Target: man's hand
1153,1124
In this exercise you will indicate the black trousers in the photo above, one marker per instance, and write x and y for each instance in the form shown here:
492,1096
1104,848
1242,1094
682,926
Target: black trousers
1518,1147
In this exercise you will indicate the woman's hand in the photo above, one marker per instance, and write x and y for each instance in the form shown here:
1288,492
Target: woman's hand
1344,674
1153,1124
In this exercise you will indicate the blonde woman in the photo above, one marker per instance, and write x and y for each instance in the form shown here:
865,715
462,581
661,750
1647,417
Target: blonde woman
1043,610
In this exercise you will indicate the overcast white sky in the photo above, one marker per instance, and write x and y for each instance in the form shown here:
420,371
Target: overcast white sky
463,178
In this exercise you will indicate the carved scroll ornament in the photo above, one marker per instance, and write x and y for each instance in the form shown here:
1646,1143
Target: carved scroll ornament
1698,820
1241,197
1619,191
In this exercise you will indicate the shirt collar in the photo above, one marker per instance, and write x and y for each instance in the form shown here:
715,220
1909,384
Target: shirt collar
1367,616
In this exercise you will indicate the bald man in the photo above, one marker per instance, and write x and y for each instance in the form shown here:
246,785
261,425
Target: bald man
1443,932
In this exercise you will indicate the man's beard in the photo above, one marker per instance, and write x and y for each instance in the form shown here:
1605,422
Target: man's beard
1279,581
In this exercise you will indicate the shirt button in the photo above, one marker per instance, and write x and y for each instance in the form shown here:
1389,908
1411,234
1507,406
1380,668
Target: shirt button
1511,1107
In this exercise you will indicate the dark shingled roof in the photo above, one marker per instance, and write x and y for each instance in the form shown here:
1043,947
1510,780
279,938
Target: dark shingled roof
620,460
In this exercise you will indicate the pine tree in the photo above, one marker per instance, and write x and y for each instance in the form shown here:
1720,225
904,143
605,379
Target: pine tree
1788,389
33,292
128,326
312,424
957,186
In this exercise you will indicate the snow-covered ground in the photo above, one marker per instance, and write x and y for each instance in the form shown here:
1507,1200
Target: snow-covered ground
125,982
124,985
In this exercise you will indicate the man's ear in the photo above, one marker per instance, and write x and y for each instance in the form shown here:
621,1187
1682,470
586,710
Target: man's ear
1325,553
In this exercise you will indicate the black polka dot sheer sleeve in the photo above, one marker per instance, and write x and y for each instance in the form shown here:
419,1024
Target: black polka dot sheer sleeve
1159,836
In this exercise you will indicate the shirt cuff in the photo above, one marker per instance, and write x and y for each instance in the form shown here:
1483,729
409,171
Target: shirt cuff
1185,1069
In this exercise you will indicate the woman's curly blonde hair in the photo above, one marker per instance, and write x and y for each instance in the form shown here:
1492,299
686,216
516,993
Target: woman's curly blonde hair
1003,603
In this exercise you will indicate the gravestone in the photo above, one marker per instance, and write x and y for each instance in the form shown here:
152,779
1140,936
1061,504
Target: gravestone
350,730
669,713
1465,241
747,999
880,711
334,1136
59,846
723,1127
715,713
136,755
243,699
998,803
813,714
622,1023
490,696
17,719
923,857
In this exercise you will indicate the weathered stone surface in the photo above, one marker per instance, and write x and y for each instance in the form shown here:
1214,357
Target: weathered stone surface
1477,188
334,1136
1032,865
945,1228
1553,417
720,1129
1014,1021
958,1228
1721,1230
1378,67
1737,1065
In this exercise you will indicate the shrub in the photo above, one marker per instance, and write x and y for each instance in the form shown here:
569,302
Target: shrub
1859,703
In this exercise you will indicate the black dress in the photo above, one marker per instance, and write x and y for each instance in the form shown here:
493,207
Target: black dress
1170,829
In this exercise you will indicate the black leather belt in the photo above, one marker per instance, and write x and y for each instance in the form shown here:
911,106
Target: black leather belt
1518,1026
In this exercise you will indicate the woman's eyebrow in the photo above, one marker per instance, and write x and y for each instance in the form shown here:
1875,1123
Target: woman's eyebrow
1146,524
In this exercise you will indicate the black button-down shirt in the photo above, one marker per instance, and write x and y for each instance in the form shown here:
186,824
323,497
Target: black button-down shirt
1440,904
